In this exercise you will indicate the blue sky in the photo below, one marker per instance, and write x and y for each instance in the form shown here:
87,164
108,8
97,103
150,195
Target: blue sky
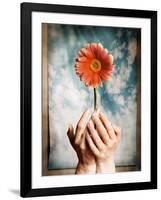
69,97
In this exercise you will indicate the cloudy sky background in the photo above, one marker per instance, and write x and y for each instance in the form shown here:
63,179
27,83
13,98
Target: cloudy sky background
69,97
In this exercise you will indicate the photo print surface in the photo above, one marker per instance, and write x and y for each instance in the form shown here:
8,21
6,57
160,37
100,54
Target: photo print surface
68,97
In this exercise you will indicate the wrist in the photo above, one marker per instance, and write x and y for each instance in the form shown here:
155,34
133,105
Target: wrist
84,168
105,166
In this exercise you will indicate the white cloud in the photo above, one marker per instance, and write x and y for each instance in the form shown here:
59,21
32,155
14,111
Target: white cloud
119,80
119,34
119,99
59,56
118,52
132,49
54,32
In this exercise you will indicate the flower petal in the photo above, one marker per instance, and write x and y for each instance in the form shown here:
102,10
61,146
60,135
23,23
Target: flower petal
87,52
105,74
87,56
93,47
100,51
82,59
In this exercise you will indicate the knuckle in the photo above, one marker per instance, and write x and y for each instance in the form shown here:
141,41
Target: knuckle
82,147
94,117
80,126
102,148
76,142
110,144
89,125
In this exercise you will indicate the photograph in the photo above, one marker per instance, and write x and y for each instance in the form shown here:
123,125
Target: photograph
91,99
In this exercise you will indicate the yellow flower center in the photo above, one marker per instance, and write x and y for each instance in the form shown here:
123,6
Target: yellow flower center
95,65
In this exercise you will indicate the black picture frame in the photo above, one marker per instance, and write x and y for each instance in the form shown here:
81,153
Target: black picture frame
26,99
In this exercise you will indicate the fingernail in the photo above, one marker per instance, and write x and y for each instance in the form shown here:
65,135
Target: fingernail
69,124
94,115
89,123
68,127
88,110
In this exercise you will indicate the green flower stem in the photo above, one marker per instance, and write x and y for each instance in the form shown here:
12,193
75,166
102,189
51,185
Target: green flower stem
95,98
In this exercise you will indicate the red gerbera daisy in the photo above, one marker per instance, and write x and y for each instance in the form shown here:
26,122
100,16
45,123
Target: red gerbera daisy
94,64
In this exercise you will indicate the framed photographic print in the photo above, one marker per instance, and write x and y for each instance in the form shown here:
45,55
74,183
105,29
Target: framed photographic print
88,99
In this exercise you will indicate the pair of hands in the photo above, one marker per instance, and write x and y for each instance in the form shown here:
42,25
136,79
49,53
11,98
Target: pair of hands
94,143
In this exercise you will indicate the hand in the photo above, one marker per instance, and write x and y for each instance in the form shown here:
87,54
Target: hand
103,141
86,163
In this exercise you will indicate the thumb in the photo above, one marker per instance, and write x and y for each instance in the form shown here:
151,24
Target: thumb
70,133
